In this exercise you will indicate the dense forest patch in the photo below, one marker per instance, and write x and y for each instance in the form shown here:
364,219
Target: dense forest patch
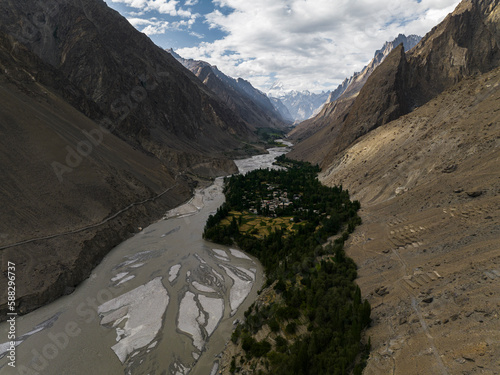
314,315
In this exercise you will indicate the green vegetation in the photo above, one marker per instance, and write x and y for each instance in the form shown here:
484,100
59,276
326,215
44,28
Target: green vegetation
316,315
269,135
259,226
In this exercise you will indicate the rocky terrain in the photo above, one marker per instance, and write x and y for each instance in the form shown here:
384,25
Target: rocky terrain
464,44
128,82
340,123
282,109
250,104
345,94
99,138
40,198
419,148
352,85
427,251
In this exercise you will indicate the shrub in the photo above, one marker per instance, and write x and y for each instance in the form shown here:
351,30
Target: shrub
274,325
291,328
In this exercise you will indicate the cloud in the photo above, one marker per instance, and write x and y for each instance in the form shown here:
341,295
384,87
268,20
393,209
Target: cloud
198,35
153,26
136,14
162,6
308,44
149,26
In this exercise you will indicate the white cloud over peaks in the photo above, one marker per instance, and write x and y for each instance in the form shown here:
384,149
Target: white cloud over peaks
309,44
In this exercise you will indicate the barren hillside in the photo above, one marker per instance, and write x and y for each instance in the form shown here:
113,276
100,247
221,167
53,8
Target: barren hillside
464,44
428,249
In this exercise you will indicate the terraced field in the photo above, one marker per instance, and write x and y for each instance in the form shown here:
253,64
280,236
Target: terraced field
260,226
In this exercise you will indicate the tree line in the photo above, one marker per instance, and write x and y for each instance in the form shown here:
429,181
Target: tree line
315,282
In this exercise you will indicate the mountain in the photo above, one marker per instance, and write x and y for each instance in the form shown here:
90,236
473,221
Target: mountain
102,132
282,109
427,251
300,104
464,44
350,87
419,150
250,104
83,40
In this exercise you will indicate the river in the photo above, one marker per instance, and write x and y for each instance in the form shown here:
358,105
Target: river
162,302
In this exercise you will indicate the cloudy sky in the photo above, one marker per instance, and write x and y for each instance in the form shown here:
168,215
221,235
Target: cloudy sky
305,44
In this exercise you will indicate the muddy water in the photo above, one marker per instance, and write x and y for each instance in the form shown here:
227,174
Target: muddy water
162,302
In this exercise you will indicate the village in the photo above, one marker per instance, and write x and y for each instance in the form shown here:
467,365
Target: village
274,199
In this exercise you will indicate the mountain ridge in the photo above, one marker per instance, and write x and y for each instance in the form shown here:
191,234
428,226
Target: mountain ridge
88,55
249,103
105,174
351,86
301,105
440,60
347,91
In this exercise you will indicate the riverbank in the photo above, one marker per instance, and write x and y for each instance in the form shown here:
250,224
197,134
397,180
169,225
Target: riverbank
167,261
44,274
285,218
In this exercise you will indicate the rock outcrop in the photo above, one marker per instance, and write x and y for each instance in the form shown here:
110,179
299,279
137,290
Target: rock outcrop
381,100
345,94
352,85
466,43
252,105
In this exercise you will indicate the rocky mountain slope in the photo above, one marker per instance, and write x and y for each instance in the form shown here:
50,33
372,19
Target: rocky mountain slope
420,149
130,82
99,137
250,104
352,85
301,105
464,44
346,92
427,251
62,172
282,109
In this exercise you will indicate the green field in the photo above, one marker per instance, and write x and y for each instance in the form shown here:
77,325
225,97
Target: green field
260,226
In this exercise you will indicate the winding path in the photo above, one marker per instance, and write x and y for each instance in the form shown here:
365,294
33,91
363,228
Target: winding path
92,225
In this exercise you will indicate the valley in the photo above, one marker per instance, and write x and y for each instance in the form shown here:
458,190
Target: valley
162,287
366,241
312,304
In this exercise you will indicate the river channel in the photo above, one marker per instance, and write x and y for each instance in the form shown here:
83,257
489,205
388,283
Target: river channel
162,302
